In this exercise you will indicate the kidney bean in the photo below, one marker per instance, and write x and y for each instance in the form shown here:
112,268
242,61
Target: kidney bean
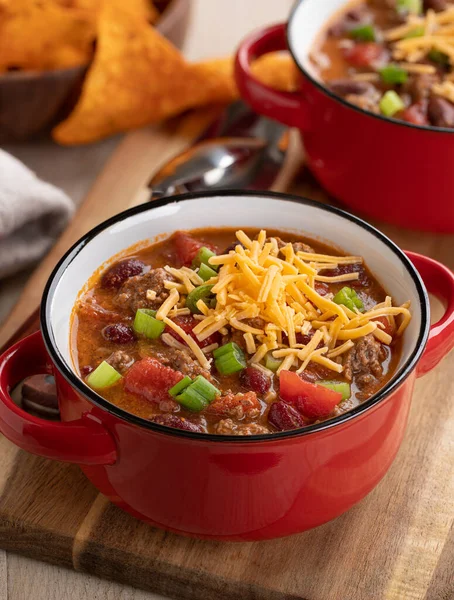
436,5
176,422
441,112
345,87
284,417
232,246
255,380
118,333
419,86
349,20
321,288
362,281
358,13
302,338
118,273
40,396
416,114
85,371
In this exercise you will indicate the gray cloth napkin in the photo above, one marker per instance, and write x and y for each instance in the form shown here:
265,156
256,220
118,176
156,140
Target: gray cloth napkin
32,215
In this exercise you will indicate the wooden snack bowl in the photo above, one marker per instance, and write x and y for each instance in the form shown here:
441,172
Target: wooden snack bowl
34,101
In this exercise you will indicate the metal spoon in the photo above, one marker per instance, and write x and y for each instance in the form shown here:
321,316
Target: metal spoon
251,162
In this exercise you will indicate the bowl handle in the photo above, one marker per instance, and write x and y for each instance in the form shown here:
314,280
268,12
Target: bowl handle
287,107
84,441
439,281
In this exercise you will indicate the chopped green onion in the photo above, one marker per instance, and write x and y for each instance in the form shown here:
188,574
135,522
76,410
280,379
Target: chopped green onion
364,33
342,387
180,386
438,57
202,258
230,363
206,389
410,6
229,359
414,33
198,394
391,103
192,400
226,349
146,324
206,272
199,293
103,376
349,298
392,74
272,363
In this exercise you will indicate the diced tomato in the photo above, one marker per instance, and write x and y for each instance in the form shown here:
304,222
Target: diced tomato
151,379
187,247
235,405
388,326
187,324
416,114
364,54
312,401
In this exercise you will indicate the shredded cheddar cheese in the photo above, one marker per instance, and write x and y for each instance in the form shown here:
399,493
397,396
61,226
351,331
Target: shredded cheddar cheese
268,294
204,362
341,349
414,40
168,304
250,343
434,31
445,89
382,336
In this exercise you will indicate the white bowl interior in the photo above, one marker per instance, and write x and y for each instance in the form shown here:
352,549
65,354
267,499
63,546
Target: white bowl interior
308,20
231,211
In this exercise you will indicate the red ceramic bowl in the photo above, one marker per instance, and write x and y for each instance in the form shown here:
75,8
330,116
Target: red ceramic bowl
383,168
225,487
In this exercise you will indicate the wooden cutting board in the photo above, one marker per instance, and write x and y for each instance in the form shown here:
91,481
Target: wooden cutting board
398,543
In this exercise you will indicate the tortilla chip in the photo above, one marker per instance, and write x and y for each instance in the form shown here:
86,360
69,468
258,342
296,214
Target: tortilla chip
276,70
138,78
94,6
41,35
91,5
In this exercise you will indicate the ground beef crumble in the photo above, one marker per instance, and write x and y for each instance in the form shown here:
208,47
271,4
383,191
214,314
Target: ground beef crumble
297,246
236,406
365,361
120,361
228,427
133,293
181,360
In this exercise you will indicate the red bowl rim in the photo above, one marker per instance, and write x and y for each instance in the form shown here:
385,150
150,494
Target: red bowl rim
77,383
330,94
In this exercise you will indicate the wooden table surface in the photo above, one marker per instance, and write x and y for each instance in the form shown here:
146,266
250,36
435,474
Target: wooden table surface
216,28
